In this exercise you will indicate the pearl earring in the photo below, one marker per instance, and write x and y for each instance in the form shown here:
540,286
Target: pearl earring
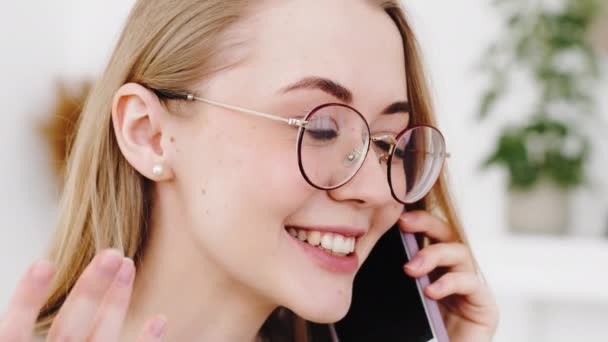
157,170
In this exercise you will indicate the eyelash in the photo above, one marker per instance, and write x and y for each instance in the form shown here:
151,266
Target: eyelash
302,114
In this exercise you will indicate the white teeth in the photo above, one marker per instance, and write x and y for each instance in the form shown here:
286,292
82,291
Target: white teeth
340,244
314,238
335,244
327,241
293,232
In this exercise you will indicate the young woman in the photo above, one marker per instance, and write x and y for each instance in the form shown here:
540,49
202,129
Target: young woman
246,157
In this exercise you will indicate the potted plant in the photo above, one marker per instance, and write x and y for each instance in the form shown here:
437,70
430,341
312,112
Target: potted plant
546,154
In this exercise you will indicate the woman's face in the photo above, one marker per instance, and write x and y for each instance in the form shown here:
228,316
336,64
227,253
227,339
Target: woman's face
237,175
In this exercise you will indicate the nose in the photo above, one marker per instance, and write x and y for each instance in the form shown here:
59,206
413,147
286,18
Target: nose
369,187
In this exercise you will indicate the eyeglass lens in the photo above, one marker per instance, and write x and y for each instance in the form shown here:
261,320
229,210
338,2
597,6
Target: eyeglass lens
335,143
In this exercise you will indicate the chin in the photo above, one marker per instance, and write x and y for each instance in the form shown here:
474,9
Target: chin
323,311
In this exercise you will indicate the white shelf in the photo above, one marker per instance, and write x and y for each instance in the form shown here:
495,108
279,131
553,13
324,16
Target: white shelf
555,269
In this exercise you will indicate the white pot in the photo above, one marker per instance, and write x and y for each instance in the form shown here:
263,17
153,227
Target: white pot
599,31
544,209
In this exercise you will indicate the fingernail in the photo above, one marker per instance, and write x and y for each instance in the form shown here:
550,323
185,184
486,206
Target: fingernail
157,328
127,269
416,262
110,262
42,272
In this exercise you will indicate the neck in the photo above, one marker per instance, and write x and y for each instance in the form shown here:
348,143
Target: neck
200,301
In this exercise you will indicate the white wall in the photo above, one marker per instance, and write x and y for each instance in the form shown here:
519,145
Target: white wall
42,40
33,43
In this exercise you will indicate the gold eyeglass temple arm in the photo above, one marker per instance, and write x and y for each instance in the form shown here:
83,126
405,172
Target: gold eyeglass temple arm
289,121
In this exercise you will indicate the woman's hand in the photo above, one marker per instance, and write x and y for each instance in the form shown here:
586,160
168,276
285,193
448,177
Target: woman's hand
468,306
94,311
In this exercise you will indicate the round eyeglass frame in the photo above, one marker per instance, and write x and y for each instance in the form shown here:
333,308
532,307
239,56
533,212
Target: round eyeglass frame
302,130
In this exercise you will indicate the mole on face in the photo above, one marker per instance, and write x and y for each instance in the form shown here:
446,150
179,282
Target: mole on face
203,192
172,140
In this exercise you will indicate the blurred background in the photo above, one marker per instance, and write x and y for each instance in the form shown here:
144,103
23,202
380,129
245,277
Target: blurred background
522,96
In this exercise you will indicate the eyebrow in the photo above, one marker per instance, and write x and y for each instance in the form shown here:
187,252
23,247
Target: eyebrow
340,92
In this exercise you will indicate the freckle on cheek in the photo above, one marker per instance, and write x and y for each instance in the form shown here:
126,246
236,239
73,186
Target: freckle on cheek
203,192
172,139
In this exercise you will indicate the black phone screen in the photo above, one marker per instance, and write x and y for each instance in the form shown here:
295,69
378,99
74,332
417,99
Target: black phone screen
386,304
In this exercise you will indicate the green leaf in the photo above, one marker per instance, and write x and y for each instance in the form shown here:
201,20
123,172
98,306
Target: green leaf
535,43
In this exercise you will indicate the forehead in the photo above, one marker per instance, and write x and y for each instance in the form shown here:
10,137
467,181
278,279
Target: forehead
351,41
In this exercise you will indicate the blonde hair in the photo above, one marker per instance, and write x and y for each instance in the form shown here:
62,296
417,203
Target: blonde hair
171,45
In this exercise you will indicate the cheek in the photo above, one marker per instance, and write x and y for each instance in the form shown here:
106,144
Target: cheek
246,178
266,179
249,161
384,219
387,217
236,193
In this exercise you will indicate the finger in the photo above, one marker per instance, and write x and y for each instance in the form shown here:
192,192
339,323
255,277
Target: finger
459,283
111,315
454,255
420,221
76,317
18,323
154,330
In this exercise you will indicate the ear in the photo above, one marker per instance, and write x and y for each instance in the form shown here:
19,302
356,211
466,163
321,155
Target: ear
137,116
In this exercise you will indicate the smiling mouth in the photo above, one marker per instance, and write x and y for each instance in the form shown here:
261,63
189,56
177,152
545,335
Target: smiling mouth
331,243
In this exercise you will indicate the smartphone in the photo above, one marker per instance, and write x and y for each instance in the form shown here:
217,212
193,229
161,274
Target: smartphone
388,305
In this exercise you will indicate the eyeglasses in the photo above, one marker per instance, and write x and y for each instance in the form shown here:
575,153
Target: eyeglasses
334,140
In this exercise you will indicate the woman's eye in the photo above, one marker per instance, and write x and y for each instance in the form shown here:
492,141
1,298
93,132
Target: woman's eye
382,145
323,128
399,153
322,134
